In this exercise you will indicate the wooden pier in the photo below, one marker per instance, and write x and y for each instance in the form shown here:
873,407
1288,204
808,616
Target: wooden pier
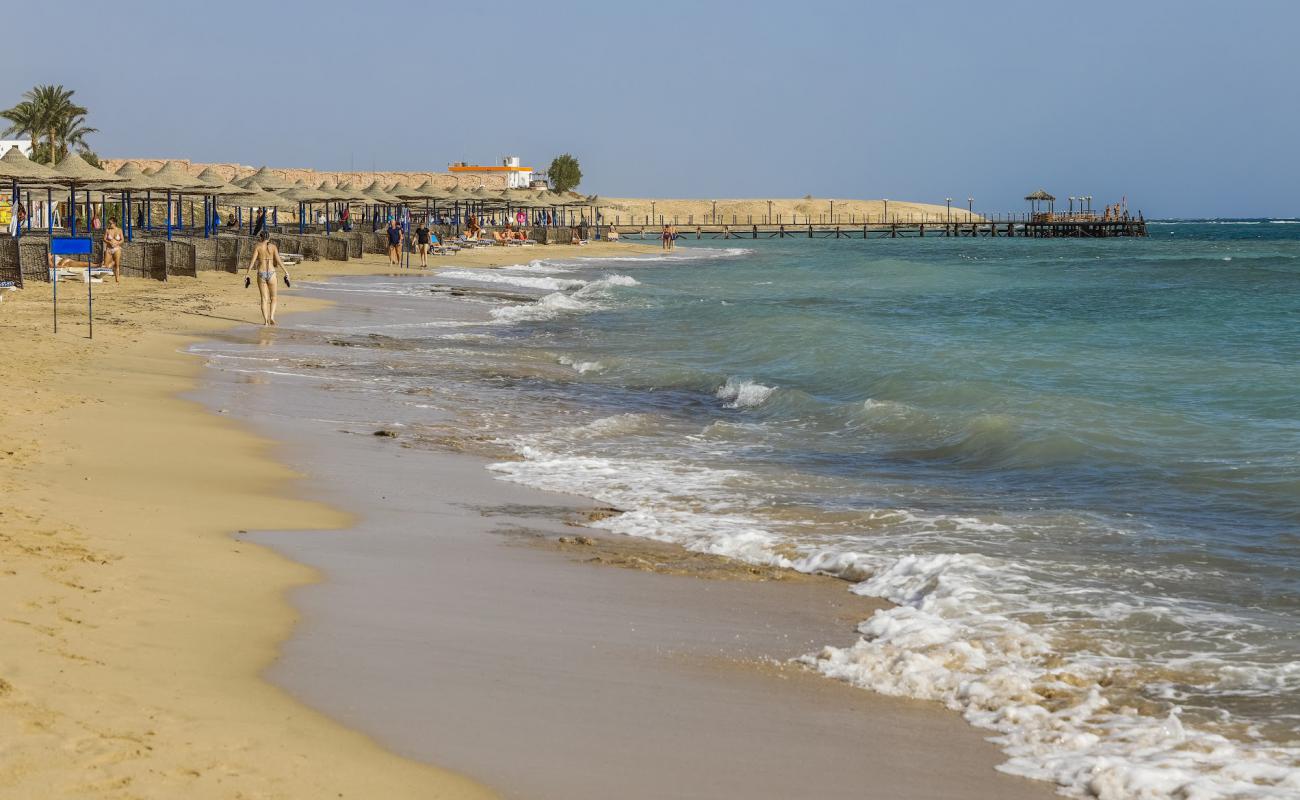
1031,228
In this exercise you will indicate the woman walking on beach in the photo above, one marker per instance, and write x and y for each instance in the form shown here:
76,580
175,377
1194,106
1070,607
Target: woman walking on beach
113,248
394,243
422,242
266,257
664,238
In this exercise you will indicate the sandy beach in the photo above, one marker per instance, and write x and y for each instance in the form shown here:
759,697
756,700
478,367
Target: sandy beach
142,608
134,627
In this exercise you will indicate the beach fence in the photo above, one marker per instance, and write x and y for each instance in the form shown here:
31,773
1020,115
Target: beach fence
180,259
145,259
11,268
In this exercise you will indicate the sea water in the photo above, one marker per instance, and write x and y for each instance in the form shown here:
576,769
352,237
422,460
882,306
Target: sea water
1072,465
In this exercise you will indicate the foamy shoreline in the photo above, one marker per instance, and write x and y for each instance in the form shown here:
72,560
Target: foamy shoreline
145,620
537,608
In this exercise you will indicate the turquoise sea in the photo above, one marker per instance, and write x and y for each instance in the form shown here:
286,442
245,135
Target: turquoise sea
1074,465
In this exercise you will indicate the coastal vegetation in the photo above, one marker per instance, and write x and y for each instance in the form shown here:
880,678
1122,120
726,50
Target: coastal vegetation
54,123
565,173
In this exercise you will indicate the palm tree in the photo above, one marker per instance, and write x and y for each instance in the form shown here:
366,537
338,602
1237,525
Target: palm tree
48,110
24,120
71,131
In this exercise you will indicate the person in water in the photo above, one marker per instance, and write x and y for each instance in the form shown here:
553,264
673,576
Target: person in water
266,258
113,248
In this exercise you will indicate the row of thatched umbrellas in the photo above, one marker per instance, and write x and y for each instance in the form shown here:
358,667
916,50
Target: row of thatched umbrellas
261,190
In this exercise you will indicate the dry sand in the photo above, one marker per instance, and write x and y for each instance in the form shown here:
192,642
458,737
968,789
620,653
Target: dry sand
133,627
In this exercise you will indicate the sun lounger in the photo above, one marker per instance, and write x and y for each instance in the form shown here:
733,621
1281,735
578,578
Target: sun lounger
93,275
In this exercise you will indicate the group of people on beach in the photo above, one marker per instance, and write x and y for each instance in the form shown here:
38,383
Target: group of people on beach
266,258
668,239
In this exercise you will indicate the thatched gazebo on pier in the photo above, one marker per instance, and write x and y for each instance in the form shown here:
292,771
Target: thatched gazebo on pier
1039,197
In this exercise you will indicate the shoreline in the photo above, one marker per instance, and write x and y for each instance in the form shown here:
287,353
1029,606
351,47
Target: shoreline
358,761
448,620
136,625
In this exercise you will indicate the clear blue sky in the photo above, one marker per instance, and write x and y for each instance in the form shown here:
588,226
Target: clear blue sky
1189,108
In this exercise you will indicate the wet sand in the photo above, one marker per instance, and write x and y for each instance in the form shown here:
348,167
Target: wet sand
455,627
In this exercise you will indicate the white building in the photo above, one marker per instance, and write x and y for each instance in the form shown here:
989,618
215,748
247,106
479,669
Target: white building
24,146
517,176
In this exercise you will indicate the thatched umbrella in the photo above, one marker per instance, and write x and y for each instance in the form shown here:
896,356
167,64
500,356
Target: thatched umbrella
78,173
426,192
19,169
303,196
218,183
132,180
376,192
269,180
174,178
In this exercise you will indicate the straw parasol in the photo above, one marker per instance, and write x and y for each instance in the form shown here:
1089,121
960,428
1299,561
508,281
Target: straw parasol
485,195
269,180
15,166
172,176
76,171
214,183
135,179
329,193
261,198
375,192
19,169
305,195
458,195
425,191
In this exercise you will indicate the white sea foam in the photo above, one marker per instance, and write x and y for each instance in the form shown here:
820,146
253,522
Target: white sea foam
956,634
742,393
548,307
524,281
684,254
581,367
585,299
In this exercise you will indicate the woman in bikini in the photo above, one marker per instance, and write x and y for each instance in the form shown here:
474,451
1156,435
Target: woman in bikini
113,249
266,257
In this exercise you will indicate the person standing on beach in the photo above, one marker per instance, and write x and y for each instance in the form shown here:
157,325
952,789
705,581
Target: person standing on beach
394,243
113,248
266,257
259,225
664,238
422,242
